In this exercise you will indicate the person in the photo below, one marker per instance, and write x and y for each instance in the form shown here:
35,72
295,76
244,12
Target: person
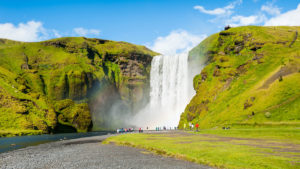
197,125
184,126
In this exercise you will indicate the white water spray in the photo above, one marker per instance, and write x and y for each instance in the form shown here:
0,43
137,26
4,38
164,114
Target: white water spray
171,80
170,91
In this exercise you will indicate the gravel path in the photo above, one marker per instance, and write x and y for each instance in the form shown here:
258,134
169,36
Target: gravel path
88,153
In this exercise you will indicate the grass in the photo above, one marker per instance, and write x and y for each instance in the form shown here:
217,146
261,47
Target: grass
242,85
35,76
234,148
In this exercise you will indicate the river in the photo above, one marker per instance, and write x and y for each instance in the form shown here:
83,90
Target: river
13,143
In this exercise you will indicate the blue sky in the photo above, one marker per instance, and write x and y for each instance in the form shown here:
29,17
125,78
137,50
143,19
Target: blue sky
138,21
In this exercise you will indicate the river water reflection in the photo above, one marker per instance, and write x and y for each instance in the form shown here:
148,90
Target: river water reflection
12,143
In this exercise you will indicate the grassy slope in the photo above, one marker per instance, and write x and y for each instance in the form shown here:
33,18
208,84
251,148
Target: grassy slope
252,78
236,148
35,76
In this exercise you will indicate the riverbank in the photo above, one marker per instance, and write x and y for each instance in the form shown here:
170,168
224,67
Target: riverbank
87,153
13,143
13,132
234,148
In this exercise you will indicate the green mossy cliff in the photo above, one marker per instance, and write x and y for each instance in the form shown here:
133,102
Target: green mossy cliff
50,86
251,78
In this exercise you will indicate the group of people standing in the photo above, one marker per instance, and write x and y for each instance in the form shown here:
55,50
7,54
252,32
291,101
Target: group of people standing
164,128
125,130
191,126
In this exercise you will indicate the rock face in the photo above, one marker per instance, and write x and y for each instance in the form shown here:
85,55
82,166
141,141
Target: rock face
250,71
56,85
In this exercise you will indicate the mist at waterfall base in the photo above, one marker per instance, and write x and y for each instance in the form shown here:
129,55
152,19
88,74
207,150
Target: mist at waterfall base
107,108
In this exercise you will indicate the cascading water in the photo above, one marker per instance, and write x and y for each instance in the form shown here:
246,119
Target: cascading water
169,82
170,91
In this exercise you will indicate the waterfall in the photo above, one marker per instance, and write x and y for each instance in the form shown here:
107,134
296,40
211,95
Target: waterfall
170,87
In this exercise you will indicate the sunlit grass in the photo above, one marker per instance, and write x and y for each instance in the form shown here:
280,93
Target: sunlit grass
235,148
35,76
243,80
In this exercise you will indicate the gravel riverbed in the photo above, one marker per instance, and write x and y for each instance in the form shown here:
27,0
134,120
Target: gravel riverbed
88,153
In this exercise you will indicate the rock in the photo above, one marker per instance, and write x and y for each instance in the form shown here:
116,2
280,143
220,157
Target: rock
59,80
247,104
227,27
267,114
203,76
221,53
226,33
21,110
217,72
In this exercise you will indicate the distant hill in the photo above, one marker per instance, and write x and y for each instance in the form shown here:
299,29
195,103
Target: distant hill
252,78
55,85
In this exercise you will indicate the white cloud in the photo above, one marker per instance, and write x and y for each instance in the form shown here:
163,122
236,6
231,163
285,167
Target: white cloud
246,20
177,41
217,11
290,18
30,31
56,33
269,15
85,32
227,10
271,9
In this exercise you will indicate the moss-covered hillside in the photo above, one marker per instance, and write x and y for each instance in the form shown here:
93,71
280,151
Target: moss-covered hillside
252,77
53,86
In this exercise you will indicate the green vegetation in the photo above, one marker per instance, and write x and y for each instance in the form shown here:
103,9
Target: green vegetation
12,132
234,148
71,114
252,78
251,84
46,86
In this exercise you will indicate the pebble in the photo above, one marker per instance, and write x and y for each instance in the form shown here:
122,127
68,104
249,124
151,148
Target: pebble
88,153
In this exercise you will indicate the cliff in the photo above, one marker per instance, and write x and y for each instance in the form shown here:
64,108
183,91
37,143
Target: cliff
251,78
56,85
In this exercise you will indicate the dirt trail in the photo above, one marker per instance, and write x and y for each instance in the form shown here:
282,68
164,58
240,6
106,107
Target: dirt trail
294,40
